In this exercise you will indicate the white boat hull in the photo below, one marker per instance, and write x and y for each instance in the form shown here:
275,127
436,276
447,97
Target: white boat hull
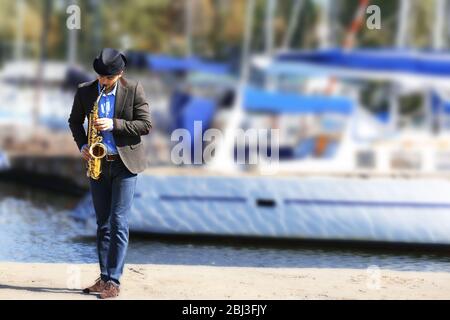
335,209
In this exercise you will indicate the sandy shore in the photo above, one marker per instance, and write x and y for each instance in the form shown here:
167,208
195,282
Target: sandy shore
63,281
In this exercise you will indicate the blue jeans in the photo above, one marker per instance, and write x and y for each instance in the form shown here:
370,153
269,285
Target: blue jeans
112,195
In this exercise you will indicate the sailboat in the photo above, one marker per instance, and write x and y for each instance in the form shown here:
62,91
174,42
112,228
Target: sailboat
339,183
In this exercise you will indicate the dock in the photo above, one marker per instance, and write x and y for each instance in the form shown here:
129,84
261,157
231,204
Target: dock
44,159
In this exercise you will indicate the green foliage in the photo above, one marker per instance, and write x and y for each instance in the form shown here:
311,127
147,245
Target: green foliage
159,25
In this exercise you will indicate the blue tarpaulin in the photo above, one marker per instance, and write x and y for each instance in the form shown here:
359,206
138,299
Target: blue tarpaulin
264,101
178,101
198,109
163,63
187,110
429,63
439,104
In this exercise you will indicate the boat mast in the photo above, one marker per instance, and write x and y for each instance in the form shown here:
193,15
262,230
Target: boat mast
224,158
323,30
46,11
439,24
97,31
72,43
188,26
402,29
270,13
271,82
401,43
356,25
349,38
436,121
298,4
19,45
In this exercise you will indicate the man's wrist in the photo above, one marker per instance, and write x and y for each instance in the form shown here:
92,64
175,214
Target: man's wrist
116,124
111,127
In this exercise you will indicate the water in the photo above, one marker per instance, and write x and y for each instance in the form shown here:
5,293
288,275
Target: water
35,227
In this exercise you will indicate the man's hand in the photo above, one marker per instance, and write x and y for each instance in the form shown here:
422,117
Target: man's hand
85,152
104,124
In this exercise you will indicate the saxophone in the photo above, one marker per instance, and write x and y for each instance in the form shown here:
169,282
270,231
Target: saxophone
97,149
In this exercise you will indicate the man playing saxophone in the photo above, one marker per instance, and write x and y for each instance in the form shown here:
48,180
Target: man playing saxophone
121,119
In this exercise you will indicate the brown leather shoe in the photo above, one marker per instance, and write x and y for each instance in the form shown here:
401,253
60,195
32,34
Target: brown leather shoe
111,290
97,287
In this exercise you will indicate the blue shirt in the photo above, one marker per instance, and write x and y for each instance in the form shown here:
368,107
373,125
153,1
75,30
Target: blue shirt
106,110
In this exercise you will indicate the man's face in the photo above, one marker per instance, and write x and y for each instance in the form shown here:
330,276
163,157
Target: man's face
108,81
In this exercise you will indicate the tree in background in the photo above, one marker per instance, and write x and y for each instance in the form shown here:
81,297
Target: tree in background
159,26
8,28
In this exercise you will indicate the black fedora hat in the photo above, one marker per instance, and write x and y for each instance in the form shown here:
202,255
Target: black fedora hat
109,62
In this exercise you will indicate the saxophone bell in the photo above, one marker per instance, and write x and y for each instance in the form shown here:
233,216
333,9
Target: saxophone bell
97,150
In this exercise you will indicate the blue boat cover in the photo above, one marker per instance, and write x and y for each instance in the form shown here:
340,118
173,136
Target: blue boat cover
198,109
439,104
178,101
163,63
429,63
260,100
